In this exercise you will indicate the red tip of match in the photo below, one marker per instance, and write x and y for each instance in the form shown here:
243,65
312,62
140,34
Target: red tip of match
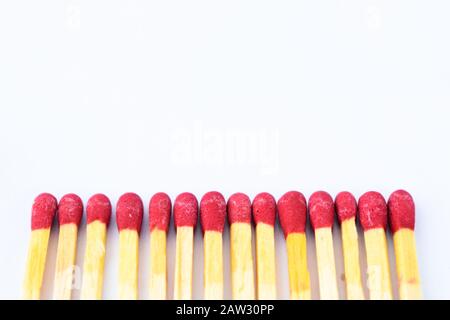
239,209
185,210
43,211
346,206
159,212
129,212
292,212
321,210
401,211
372,211
70,209
213,210
264,209
98,208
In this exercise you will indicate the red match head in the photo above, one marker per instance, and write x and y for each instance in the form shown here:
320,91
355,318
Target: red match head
185,210
239,209
98,209
159,212
43,211
292,212
70,209
346,206
264,209
213,210
401,211
321,210
372,211
129,212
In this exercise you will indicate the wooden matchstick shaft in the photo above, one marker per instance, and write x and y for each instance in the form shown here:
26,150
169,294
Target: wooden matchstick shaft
128,264
242,275
351,260
407,265
65,261
265,262
94,261
326,264
213,273
379,278
183,264
298,266
34,273
158,264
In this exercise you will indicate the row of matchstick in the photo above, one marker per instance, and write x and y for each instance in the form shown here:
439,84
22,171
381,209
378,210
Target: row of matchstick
372,211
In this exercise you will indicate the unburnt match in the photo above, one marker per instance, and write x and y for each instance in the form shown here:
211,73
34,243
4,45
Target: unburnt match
185,218
264,211
129,213
159,213
402,222
346,208
321,213
242,275
292,214
70,212
42,215
373,218
98,212
213,210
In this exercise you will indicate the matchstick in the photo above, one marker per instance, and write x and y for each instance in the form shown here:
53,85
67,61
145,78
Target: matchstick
159,213
264,210
213,210
373,219
402,222
292,214
242,275
321,213
98,211
42,214
346,209
185,218
70,212
129,214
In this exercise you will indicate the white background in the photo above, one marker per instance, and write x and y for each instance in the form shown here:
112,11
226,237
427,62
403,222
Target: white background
148,96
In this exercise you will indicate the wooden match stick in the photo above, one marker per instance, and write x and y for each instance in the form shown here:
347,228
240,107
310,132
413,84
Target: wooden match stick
129,214
373,219
402,222
185,218
264,210
346,209
70,212
98,212
292,213
242,275
321,212
42,214
213,210
159,212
